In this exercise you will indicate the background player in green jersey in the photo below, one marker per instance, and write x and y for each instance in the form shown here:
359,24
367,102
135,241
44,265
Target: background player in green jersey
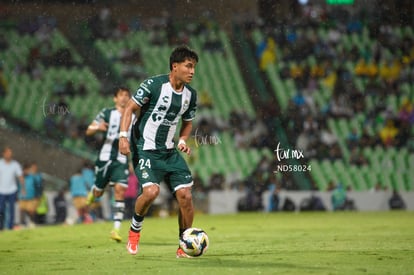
111,166
162,101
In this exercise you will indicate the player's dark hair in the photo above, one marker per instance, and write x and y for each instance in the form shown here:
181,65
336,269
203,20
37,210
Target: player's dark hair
121,89
181,54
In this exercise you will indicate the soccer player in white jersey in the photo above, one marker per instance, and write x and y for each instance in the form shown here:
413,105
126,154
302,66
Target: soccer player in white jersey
163,101
111,166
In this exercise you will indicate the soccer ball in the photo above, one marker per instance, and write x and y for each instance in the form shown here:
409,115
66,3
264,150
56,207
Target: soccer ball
194,242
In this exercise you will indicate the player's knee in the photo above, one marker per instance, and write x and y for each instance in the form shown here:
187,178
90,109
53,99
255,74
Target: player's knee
119,191
184,195
151,192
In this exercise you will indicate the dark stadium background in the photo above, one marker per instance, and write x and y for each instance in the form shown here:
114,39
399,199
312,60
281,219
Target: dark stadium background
232,174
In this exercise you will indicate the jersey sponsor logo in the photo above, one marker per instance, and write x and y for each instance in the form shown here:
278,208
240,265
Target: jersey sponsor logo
165,99
158,114
167,122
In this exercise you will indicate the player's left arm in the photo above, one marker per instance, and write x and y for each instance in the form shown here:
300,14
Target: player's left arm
99,124
185,131
187,124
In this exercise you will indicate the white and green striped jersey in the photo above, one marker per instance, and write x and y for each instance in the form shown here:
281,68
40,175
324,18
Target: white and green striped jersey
109,150
161,110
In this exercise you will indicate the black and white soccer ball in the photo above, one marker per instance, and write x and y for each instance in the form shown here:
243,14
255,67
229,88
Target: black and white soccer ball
194,242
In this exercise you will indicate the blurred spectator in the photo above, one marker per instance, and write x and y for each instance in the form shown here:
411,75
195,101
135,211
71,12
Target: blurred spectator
103,24
378,187
388,133
338,198
352,140
59,202
396,202
204,100
406,111
339,107
331,186
274,190
310,126
27,199
335,152
42,210
41,199
266,53
313,203
78,190
357,158
88,174
288,205
212,43
366,139
11,174
63,57
327,137
38,181
217,181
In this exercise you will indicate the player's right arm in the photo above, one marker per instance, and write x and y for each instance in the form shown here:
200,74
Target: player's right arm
131,108
98,124
139,99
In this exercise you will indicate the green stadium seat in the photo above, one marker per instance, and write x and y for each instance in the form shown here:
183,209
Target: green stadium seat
397,182
318,175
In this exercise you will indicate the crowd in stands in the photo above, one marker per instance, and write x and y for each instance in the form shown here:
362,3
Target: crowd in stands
315,56
42,54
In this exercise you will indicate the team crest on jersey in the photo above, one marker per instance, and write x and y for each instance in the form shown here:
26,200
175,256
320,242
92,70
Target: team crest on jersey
165,99
185,103
145,174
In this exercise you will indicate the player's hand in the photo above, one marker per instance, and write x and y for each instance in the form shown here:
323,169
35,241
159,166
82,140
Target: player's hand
184,148
124,146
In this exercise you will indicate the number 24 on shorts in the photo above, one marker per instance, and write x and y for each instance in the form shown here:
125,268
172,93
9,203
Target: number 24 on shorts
144,163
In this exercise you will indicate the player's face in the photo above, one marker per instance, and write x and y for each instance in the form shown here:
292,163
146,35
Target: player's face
185,70
121,99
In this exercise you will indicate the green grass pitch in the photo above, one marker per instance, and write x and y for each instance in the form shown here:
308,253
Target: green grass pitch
253,243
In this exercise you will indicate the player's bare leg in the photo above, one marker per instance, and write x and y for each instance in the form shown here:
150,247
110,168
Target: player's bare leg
186,209
142,204
144,201
119,191
185,214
